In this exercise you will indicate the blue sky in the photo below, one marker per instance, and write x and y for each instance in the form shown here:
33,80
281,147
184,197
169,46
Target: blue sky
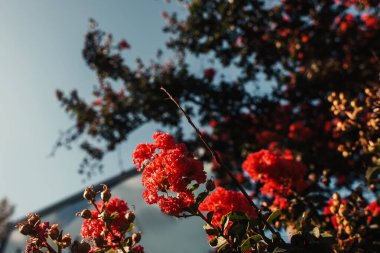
40,51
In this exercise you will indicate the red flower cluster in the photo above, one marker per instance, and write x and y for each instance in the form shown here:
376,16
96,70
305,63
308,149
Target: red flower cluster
299,132
169,172
374,210
327,211
92,228
40,240
265,137
209,73
223,201
123,44
280,174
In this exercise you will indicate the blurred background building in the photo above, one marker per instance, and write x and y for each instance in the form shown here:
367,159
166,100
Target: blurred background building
184,235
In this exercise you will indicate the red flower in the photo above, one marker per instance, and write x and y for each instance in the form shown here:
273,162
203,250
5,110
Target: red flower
223,201
370,21
266,136
260,164
213,123
39,241
280,174
169,172
209,73
299,132
123,44
240,41
93,227
138,249
280,202
374,210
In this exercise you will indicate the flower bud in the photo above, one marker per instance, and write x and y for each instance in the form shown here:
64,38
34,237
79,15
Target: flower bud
130,216
336,196
33,219
342,210
85,214
136,237
89,194
312,177
59,94
210,185
105,215
325,181
348,229
25,229
66,241
106,193
54,232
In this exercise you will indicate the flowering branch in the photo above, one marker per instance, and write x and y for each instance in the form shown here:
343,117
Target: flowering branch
221,163
109,227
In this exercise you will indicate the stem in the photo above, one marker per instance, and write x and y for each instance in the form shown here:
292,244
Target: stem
222,165
308,204
109,227
200,214
50,248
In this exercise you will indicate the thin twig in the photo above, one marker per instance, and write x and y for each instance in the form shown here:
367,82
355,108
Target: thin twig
200,214
50,248
222,165
308,204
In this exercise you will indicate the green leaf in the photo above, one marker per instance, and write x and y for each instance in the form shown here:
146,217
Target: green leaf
279,250
237,216
326,234
114,215
209,215
222,247
213,242
210,230
201,196
194,187
249,242
316,232
217,242
224,221
130,228
237,230
274,215
372,173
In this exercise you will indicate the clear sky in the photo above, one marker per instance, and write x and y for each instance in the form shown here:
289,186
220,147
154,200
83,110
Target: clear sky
40,51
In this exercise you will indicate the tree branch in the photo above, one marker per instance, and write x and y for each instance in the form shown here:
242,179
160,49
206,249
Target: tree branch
222,165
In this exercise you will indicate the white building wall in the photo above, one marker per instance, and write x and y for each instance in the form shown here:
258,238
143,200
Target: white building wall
160,233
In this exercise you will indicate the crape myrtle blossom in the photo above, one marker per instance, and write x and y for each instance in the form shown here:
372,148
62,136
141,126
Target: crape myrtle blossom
93,227
280,174
169,173
223,201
